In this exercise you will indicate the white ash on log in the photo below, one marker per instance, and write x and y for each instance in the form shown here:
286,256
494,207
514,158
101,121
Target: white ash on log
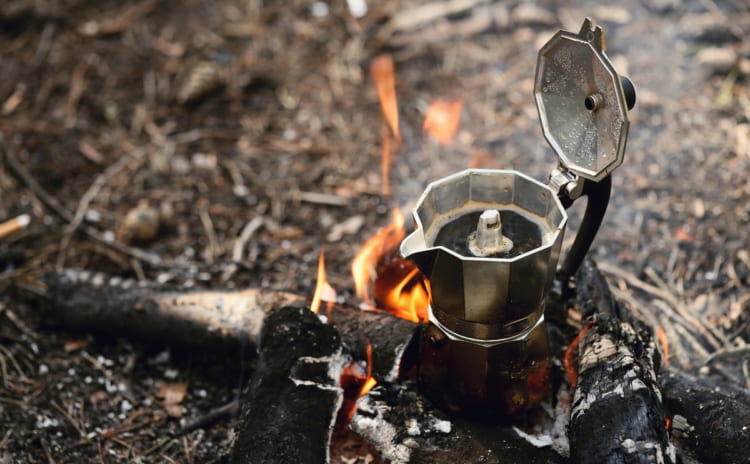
617,414
404,427
96,302
290,410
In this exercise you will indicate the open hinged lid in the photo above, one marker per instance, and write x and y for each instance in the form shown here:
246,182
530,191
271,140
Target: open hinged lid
581,102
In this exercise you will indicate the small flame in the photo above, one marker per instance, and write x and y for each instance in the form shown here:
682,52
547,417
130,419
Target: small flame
323,290
383,72
355,384
441,120
385,162
370,381
662,336
383,243
570,359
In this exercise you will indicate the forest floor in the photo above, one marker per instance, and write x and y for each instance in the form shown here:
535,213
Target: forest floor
218,113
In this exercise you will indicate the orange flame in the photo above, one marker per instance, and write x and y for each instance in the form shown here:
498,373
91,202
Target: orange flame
401,290
386,281
385,162
441,120
323,290
383,72
570,359
384,242
355,384
370,381
662,336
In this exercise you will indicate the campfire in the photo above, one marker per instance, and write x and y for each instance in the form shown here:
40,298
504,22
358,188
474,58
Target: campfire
463,340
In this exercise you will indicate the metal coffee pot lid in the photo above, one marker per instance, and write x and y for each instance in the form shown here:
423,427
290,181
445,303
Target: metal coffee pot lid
583,102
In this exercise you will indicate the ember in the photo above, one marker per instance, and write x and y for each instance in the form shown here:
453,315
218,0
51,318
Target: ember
441,120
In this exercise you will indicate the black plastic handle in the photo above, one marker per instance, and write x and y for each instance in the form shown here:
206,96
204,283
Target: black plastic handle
598,194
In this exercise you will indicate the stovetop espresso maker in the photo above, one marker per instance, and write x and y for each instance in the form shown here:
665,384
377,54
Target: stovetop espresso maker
488,241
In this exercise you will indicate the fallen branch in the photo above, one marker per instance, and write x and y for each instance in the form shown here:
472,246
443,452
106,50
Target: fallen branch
82,300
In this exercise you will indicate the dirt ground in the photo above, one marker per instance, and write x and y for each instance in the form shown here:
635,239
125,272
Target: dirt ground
217,113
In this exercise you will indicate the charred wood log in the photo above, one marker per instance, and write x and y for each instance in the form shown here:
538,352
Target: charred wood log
404,427
710,421
290,410
617,414
96,302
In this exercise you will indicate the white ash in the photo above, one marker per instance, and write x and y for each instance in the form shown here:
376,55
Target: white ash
412,427
552,429
378,431
392,375
439,425
649,448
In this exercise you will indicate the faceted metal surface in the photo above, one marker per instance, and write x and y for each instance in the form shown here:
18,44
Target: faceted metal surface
477,297
581,102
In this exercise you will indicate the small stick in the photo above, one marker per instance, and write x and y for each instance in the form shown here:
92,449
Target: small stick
209,419
14,225
100,181
53,205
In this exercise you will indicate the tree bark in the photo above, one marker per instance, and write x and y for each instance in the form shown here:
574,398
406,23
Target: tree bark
617,414
294,396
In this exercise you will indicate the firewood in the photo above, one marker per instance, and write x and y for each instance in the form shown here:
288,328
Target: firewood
710,419
617,414
96,302
290,410
405,427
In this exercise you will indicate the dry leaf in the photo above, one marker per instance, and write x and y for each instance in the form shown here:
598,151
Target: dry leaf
172,394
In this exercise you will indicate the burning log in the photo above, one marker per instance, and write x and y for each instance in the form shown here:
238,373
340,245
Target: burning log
617,413
405,427
82,300
290,410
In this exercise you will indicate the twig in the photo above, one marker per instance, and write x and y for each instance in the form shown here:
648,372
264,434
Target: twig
14,225
323,199
24,176
720,353
6,437
46,451
67,415
209,253
118,23
239,246
91,193
209,419
53,205
11,316
666,297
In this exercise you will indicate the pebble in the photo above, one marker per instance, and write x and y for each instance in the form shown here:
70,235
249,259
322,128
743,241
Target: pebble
140,225
717,59
203,79
530,14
